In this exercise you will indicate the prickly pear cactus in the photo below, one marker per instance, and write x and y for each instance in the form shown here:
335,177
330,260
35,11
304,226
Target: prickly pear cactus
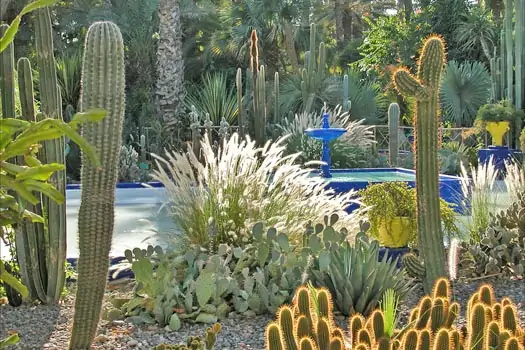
502,245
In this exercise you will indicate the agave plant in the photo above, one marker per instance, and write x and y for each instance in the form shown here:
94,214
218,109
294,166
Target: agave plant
215,98
465,88
357,278
237,185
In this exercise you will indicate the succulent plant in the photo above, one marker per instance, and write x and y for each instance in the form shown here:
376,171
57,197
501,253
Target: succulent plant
501,248
356,276
424,88
196,343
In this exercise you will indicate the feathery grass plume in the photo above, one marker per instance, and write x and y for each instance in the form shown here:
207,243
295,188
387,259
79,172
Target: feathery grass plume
478,188
514,179
239,184
453,256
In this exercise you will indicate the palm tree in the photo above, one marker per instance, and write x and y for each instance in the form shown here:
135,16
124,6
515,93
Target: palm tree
170,64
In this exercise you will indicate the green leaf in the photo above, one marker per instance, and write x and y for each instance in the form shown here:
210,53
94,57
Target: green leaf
204,288
46,189
12,281
10,33
40,173
92,115
13,339
19,188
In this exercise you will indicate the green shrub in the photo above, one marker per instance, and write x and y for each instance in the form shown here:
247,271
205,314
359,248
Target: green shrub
238,185
389,200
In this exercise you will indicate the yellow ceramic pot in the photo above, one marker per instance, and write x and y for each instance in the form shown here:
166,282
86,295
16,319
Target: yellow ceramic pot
397,234
497,130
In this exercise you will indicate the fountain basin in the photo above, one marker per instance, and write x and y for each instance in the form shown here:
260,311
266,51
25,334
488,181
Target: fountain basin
345,180
325,134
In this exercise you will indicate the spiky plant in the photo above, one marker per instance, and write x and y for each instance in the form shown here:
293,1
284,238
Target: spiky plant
424,88
103,86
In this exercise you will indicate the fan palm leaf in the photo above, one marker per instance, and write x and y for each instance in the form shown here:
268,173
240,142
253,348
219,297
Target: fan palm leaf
464,89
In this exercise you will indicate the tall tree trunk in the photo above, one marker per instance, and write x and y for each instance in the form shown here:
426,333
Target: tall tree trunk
170,64
339,18
408,9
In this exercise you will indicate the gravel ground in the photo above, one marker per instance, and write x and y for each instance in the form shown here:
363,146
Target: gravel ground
48,327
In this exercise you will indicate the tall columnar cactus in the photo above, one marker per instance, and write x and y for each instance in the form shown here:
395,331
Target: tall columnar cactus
276,101
393,133
346,99
7,78
31,237
258,92
53,152
519,40
424,88
509,49
102,87
313,73
41,252
241,121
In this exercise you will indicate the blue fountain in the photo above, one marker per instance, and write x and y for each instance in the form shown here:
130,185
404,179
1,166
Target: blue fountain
325,134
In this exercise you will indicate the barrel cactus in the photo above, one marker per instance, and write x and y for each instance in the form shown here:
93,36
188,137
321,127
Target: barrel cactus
102,87
424,88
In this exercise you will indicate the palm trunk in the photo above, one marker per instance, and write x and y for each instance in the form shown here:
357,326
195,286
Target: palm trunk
170,64
339,25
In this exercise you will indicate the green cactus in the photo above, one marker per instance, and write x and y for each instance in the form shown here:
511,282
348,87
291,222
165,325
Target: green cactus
7,78
103,84
276,101
196,343
393,133
240,114
258,91
425,89
31,237
346,100
42,252
51,107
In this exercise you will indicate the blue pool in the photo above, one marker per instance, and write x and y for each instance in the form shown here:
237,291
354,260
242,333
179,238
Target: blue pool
345,180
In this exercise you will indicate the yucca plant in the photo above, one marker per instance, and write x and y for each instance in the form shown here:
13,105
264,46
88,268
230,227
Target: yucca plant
464,89
389,306
69,69
238,185
215,97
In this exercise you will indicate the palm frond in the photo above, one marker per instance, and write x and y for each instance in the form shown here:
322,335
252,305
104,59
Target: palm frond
464,89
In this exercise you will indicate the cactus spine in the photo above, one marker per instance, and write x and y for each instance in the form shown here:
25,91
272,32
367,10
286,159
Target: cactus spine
393,133
102,87
425,89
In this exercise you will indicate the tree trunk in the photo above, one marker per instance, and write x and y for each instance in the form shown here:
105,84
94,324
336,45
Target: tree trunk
408,9
339,25
170,64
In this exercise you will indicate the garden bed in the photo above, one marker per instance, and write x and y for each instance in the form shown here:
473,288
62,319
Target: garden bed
48,327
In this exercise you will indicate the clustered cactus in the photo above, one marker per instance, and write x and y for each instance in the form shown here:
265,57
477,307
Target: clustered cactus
424,88
103,84
308,324
501,249
196,343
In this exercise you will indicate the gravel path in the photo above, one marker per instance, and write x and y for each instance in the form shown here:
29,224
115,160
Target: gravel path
48,327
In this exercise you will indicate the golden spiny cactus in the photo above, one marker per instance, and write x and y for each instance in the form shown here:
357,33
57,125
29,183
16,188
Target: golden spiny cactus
308,324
